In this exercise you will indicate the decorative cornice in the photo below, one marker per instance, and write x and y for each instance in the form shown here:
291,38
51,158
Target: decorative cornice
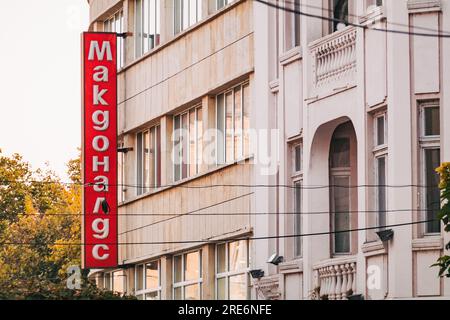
424,5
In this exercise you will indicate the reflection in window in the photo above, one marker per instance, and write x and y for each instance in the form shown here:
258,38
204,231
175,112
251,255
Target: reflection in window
187,278
148,281
232,261
148,159
340,14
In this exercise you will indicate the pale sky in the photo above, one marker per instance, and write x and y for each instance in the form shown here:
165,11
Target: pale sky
40,80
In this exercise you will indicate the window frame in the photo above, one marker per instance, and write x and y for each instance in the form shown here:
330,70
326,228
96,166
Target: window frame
155,181
144,291
244,131
297,178
139,30
198,157
380,151
185,283
198,11
227,274
427,142
109,25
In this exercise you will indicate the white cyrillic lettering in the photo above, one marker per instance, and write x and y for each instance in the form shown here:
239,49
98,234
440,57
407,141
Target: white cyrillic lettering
98,96
96,143
96,164
95,250
101,184
101,233
101,125
102,74
95,49
98,204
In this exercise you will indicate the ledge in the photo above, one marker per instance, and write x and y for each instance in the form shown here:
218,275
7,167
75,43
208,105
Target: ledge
373,248
373,16
417,6
290,56
428,243
292,266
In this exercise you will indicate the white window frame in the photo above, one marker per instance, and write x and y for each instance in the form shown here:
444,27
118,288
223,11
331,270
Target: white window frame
198,157
109,285
198,13
297,178
236,158
153,183
139,30
432,142
110,25
228,274
380,151
183,283
144,290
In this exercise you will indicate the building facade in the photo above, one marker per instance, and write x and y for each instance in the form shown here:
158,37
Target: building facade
247,131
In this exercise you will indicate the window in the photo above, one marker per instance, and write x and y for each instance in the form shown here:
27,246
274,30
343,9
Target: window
116,24
188,143
148,281
114,281
374,3
232,262
380,156
148,159
121,174
429,141
186,14
297,178
292,27
147,25
340,189
222,3
340,14
187,276
232,123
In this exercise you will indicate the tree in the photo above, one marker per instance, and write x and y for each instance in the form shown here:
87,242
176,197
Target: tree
444,171
42,216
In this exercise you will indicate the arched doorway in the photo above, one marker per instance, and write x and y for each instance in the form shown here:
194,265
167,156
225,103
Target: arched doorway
343,191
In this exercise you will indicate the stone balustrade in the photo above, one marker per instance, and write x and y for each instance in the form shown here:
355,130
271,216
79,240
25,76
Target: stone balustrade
336,278
334,57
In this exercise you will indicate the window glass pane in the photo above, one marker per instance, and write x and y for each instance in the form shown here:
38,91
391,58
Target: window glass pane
146,160
221,4
185,13
178,293
340,12
139,163
107,281
432,122
298,159
238,287
152,275
221,289
158,156
192,141
381,181
221,258
152,23
184,146
146,25
298,219
152,296
220,129
237,255
192,292
432,161
229,127
177,148
177,269
138,28
158,22
340,153
297,24
238,123
192,266
199,139
139,277
341,208
118,282
177,16
246,107
153,155
380,131
192,12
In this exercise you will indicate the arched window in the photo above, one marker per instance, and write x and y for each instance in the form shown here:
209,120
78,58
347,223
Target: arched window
342,195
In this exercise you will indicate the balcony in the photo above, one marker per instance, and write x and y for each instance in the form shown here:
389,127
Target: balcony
333,61
336,278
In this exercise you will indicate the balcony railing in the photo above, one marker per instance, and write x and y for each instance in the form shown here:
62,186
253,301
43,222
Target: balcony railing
334,58
336,278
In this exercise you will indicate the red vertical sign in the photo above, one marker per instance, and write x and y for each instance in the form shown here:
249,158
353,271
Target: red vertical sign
100,150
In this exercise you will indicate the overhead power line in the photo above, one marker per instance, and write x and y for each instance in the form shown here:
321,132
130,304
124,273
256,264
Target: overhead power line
206,241
365,27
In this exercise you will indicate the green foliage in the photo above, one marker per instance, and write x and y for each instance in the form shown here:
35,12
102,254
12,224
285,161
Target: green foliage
444,171
34,219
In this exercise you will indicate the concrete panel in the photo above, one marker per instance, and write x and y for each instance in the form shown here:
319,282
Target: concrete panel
428,283
293,286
